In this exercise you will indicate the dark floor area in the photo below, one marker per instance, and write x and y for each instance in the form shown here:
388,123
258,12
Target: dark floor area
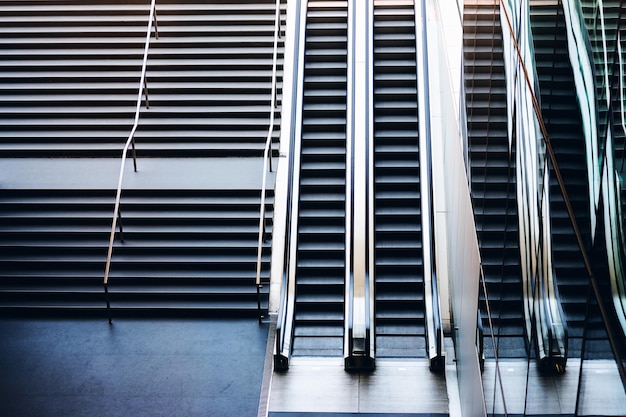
170,368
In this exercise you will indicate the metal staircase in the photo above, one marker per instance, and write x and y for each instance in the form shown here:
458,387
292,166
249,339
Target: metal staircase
399,275
69,78
320,271
185,252
492,177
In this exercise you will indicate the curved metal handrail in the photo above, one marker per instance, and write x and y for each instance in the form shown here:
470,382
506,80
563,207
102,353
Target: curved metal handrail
266,156
129,141
349,189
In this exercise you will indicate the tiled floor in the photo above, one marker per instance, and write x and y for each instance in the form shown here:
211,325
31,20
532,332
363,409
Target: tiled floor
602,393
322,385
173,368
189,368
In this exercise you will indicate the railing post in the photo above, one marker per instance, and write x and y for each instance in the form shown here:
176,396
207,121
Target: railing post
145,92
119,222
106,296
269,155
156,25
258,294
134,154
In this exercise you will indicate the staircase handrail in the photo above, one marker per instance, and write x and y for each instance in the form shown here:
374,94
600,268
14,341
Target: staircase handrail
131,140
267,156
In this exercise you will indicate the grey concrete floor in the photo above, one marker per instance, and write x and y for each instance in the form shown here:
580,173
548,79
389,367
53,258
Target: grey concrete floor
395,387
171,368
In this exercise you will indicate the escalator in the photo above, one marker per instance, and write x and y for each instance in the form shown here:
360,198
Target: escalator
320,260
606,35
563,120
399,272
493,187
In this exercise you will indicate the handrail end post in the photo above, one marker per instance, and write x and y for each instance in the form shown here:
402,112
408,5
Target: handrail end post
281,363
108,302
259,309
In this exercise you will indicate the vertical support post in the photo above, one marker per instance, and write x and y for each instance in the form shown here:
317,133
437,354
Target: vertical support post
156,26
145,92
269,156
132,142
119,222
106,296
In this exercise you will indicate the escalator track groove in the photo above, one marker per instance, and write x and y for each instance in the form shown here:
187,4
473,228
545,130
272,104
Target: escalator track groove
399,274
320,270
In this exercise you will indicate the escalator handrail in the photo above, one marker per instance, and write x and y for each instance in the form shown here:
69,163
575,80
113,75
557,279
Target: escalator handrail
349,192
369,180
431,296
130,140
284,324
437,315
554,323
614,205
622,76
266,153
570,211
359,198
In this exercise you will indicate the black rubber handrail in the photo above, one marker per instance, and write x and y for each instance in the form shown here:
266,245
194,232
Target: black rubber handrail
284,323
570,211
